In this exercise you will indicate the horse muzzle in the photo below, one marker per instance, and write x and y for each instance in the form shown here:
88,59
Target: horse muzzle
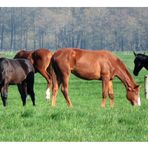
135,73
137,103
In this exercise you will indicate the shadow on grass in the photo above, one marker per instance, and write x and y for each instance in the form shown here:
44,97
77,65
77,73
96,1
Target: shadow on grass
27,113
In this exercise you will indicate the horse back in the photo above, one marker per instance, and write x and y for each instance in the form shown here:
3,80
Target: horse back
24,54
15,70
86,64
25,65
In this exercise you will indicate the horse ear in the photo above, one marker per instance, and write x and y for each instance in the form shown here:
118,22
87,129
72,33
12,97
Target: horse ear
138,86
135,53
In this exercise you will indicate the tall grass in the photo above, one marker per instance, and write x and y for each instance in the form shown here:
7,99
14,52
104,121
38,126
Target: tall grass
86,121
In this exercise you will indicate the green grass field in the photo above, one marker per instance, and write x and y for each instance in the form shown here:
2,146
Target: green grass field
86,121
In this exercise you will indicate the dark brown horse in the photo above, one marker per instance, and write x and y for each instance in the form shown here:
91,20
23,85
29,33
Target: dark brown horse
91,65
40,59
20,72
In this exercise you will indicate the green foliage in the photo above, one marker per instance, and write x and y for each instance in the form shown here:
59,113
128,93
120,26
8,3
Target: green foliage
86,121
90,28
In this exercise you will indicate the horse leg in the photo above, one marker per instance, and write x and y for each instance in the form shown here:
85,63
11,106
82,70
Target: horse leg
30,85
54,93
45,74
4,94
23,92
105,88
56,84
111,93
65,90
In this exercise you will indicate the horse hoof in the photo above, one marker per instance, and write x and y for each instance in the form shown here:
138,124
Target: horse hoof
47,98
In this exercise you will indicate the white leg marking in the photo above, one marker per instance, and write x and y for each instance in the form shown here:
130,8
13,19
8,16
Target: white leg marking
139,101
48,94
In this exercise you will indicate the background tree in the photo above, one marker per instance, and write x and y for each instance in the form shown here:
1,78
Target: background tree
91,28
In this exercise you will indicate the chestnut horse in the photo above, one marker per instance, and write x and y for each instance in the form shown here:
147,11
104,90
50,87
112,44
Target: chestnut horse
40,59
91,65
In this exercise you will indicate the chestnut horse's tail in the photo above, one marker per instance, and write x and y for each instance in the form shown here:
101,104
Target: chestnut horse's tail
55,74
52,70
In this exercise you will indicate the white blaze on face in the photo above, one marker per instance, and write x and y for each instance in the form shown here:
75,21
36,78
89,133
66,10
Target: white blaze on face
48,94
139,101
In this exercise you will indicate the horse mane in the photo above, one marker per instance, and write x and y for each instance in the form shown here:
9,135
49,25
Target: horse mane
124,70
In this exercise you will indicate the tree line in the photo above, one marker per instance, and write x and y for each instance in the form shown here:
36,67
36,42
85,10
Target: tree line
91,28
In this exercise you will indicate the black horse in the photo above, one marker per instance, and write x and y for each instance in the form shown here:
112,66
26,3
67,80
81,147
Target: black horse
20,72
141,60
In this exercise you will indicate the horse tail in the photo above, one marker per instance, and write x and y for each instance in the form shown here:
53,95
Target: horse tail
53,72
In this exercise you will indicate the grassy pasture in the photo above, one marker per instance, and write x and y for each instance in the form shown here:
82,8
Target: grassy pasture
86,121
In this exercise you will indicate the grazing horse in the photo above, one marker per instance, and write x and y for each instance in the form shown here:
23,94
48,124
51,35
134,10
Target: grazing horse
40,59
141,60
91,65
20,72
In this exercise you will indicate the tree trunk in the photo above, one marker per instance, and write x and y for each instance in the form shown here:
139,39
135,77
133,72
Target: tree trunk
26,39
21,33
2,36
12,29
34,32
2,29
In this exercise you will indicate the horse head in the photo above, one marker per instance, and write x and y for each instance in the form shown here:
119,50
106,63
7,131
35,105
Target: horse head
133,95
138,63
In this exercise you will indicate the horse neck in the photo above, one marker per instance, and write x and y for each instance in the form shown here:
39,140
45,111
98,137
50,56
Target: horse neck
123,74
